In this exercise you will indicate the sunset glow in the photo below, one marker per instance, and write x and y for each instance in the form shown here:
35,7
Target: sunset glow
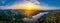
29,9
29,6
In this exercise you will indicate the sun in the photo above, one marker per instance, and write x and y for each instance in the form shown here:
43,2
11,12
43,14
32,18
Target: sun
26,6
28,9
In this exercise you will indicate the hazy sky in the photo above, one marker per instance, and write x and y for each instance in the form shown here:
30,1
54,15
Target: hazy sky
51,3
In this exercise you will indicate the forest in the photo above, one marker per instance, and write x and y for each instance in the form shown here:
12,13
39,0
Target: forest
9,16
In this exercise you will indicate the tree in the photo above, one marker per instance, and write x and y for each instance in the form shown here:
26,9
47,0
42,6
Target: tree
52,17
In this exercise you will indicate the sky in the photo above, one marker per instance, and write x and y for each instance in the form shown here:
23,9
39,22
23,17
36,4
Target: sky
8,2
54,3
49,3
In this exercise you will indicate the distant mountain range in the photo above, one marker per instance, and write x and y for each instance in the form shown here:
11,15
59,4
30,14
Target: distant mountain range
20,11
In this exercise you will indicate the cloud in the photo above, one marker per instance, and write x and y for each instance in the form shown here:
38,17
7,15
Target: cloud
35,3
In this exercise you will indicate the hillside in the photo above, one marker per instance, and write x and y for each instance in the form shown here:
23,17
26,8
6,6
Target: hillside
51,17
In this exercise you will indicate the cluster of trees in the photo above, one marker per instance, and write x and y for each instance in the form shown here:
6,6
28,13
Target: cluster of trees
10,17
52,17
